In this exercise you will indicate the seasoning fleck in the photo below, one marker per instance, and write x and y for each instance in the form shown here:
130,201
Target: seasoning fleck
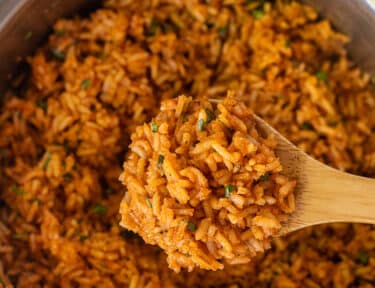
20,236
100,209
18,191
83,237
228,189
149,203
85,84
59,55
363,257
287,43
153,28
191,226
265,177
41,104
160,161
28,35
258,14
154,127
60,32
201,125
210,116
321,76
47,160
222,32
307,126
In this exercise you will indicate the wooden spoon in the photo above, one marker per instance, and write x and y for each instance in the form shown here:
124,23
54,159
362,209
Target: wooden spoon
323,194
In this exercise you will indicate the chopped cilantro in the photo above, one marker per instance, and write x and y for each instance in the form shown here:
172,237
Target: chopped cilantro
258,14
160,161
153,28
35,200
47,160
59,55
100,209
191,226
85,84
60,32
307,126
321,76
41,104
154,127
201,125
265,177
210,116
228,189
149,203
18,191
363,257
28,35
20,236
68,177
222,32
83,237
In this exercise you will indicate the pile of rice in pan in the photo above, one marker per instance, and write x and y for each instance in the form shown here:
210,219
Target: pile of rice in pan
204,185
65,128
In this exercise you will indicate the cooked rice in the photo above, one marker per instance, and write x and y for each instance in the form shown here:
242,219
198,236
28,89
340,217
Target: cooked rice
62,138
204,185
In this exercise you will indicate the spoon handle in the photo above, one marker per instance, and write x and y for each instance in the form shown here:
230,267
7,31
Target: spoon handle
324,194
328,195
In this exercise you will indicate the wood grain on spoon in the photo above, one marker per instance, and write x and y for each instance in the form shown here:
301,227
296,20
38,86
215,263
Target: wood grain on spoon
323,194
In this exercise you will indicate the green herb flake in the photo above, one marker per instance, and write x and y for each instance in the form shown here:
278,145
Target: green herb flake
85,84
258,14
20,236
154,127
18,114
248,2
83,237
201,125
191,226
363,257
333,123
210,116
373,79
160,161
18,191
149,203
307,126
60,32
153,28
222,32
265,177
100,209
41,104
321,76
28,35
68,177
287,43
35,200
228,189
66,147
59,55
47,160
